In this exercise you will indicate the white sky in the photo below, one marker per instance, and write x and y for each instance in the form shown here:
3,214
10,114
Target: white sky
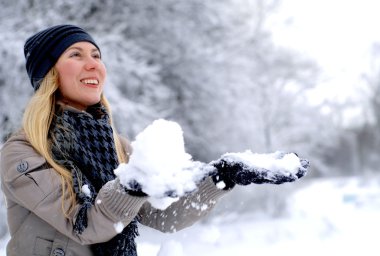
337,33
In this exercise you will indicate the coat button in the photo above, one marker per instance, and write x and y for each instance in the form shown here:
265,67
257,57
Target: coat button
22,166
58,252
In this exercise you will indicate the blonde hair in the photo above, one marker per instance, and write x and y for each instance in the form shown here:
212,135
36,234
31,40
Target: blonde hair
37,120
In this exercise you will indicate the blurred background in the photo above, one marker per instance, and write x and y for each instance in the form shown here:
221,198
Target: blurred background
291,75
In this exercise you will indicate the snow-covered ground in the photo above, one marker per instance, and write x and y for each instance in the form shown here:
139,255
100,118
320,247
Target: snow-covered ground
327,217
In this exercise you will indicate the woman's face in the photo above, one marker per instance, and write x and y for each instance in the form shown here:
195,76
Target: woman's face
81,75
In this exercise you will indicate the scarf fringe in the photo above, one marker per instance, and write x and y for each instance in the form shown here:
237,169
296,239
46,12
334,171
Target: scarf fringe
121,245
81,219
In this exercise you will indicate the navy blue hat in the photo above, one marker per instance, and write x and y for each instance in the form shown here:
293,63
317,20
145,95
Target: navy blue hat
43,49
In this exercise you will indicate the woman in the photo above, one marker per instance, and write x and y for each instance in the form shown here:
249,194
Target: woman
57,172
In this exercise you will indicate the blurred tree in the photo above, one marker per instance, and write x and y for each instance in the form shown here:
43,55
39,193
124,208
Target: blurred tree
211,66
367,135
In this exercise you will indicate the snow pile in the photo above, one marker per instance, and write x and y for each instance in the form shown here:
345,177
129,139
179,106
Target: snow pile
160,164
277,162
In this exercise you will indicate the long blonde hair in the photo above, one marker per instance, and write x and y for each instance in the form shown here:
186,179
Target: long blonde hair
37,120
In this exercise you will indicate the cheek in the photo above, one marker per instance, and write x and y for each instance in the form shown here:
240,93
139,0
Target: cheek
103,71
69,72
64,83
66,73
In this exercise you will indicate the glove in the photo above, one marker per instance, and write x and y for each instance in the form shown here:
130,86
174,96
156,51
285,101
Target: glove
134,189
233,171
159,202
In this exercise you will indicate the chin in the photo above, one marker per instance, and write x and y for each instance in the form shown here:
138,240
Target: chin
93,101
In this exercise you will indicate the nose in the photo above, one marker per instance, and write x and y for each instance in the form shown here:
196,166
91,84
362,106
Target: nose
91,63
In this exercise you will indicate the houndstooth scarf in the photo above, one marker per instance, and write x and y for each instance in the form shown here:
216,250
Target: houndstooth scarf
83,143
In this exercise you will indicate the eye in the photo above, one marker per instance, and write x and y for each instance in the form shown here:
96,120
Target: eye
74,54
96,55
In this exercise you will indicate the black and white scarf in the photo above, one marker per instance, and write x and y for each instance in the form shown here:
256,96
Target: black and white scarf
83,143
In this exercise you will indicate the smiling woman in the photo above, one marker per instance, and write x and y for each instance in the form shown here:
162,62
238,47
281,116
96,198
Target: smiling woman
57,172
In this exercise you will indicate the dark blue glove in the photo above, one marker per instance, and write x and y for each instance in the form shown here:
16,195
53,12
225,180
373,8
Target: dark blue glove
233,172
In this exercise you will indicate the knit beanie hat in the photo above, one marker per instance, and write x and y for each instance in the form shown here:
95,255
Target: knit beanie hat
43,49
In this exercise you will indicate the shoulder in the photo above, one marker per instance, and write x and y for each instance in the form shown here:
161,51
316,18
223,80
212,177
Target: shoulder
26,178
18,144
18,154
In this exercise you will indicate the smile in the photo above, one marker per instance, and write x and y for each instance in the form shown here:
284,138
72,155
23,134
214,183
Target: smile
90,81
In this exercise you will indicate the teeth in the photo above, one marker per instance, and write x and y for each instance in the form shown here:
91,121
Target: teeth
90,81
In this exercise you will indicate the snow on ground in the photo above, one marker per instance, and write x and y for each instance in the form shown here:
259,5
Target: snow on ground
328,217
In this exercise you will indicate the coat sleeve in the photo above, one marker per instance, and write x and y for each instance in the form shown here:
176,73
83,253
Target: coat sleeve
184,212
27,181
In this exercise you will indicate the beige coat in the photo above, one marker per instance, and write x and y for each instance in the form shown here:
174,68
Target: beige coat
38,226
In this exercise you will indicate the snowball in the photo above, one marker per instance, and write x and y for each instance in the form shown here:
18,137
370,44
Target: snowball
160,164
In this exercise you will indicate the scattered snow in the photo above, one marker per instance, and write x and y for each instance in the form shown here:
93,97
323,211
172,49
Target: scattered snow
221,184
86,190
118,227
198,206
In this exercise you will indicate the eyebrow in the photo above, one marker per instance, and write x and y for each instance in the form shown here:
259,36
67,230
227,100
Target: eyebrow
81,49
